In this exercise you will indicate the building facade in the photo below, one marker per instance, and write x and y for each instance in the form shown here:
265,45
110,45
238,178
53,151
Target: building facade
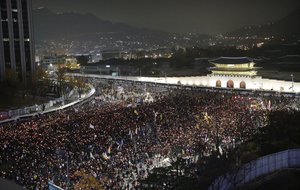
231,73
233,66
16,41
235,69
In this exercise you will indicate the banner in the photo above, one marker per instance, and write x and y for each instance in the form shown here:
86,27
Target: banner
53,187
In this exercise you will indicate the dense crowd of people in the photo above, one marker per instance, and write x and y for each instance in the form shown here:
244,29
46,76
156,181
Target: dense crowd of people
126,129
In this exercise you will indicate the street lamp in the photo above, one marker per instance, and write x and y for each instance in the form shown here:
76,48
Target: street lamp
292,82
140,72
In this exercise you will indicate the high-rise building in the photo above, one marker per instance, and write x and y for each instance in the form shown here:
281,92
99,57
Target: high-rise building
16,41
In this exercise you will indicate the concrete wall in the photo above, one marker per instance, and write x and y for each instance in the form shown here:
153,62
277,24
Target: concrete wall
252,83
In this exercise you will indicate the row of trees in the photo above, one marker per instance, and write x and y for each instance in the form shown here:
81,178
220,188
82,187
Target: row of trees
42,83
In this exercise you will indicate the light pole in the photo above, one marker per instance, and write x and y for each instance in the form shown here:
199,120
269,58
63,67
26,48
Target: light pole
165,77
140,72
292,82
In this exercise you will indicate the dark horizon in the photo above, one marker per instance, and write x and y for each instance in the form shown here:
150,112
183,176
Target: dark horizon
203,16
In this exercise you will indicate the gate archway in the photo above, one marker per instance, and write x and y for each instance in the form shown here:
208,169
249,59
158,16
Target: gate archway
230,84
218,83
243,85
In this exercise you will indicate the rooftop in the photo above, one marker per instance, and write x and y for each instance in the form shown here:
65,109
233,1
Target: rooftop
233,69
232,60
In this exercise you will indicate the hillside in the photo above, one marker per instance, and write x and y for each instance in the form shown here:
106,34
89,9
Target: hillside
49,25
287,26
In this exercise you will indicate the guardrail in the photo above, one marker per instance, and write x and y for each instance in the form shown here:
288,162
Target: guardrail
39,109
259,167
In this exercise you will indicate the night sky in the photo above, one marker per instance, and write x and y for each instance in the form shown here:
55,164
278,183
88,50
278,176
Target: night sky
200,16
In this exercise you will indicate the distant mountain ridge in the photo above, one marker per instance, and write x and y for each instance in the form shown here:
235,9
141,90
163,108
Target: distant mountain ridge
49,25
287,26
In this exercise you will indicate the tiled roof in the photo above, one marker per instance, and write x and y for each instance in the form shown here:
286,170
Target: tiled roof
232,60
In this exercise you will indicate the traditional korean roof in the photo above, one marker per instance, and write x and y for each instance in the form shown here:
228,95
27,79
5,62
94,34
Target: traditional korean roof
233,69
231,60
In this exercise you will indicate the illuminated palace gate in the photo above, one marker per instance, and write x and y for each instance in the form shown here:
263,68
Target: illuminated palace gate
233,67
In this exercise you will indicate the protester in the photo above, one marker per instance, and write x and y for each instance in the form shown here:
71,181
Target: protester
129,128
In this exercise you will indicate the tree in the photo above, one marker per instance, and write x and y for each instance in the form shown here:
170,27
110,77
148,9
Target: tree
11,82
61,79
87,181
182,59
40,81
11,78
80,83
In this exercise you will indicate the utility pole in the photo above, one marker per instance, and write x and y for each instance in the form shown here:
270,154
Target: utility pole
140,72
292,82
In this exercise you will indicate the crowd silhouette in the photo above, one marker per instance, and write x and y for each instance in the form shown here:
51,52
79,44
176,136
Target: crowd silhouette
128,128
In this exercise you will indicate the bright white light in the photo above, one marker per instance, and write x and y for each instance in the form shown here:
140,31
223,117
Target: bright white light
107,66
260,44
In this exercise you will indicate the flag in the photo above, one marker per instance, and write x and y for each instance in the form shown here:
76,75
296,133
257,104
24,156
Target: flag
155,115
109,149
207,118
91,155
136,112
105,157
94,174
130,133
197,117
92,126
120,144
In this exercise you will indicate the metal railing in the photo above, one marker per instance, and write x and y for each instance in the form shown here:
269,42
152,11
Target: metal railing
52,106
256,168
